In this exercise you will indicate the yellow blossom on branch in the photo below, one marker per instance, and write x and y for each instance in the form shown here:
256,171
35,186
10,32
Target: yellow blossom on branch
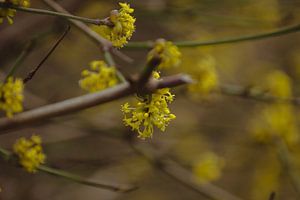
9,13
29,153
100,78
205,76
169,54
123,26
149,111
11,96
208,167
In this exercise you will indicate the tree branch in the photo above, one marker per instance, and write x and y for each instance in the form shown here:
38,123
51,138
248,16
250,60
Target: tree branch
276,33
81,103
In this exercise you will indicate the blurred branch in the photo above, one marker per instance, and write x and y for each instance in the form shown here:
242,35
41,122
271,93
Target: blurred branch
83,102
181,175
286,160
276,33
255,94
56,14
26,51
33,72
7,156
106,45
272,196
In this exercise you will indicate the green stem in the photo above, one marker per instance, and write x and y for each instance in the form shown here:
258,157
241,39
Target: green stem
7,155
56,14
279,32
78,179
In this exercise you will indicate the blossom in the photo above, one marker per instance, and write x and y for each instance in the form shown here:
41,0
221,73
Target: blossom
9,13
276,120
205,77
208,167
169,54
149,111
278,84
11,96
100,78
123,26
29,153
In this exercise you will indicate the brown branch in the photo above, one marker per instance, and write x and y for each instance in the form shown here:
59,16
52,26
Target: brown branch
33,72
80,103
181,175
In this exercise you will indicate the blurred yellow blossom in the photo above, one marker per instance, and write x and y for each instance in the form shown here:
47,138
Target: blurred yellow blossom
208,167
205,76
123,26
275,120
151,110
168,52
30,153
11,96
100,78
9,13
266,176
278,84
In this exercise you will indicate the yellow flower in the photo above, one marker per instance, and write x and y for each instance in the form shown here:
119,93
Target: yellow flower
11,96
275,120
278,84
208,167
123,26
205,76
168,52
10,13
100,78
30,153
149,111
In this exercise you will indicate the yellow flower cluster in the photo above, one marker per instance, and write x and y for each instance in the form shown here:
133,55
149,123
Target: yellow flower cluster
208,167
100,78
276,120
30,153
149,111
123,26
205,77
168,52
9,13
11,96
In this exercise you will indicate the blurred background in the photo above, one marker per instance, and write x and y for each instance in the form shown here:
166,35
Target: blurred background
93,143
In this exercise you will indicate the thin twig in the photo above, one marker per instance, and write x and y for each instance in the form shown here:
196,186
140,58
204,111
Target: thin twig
56,14
33,72
276,33
81,180
7,156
